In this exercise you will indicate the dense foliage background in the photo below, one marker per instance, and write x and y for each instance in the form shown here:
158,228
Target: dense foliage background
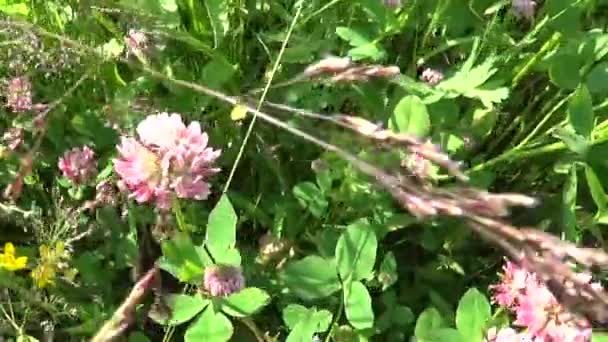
514,90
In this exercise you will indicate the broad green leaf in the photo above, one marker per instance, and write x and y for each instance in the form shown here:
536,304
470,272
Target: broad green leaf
564,71
352,36
295,313
245,302
181,256
223,255
599,337
311,278
569,205
358,306
471,316
138,336
221,229
371,51
580,112
311,197
402,316
356,252
428,322
596,189
448,335
14,7
210,326
217,72
112,49
388,271
304,330
597,79
184,308
410,116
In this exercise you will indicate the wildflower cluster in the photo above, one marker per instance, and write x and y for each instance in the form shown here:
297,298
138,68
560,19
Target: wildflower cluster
536,309
9,261
52,262
167,158
19,94
78,164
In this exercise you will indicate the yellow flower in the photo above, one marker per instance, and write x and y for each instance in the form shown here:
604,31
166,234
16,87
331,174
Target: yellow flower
8,260
43,275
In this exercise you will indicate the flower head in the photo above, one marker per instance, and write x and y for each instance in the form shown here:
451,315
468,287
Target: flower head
514,281
168,157
78,164
136,41
431,76
223,280
536,308
524,8
8,260
13,138
19,94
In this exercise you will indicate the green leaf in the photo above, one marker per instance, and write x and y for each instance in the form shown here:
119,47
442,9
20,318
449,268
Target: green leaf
181,258
597,190
569,205
447,335
597,79
471,316
428,322
356,252
564,71
371,51
221,229
358,306
295,313
210,326
14,7
184,308
311,278
138,336
599,337
575,142
311,197
217,72
580,112
410,116
388,271
245,302
223,255
304,330
353,37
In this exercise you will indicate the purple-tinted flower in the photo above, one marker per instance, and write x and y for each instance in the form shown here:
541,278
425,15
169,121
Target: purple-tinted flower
19,94
141,173
431,76
78,164
523,8
168,157
13,137
136,41
223,280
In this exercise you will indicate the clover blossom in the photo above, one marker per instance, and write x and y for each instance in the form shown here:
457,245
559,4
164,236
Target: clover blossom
431,76
524,8
136,41
19,94
169,157
223,280
78,164
536,309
